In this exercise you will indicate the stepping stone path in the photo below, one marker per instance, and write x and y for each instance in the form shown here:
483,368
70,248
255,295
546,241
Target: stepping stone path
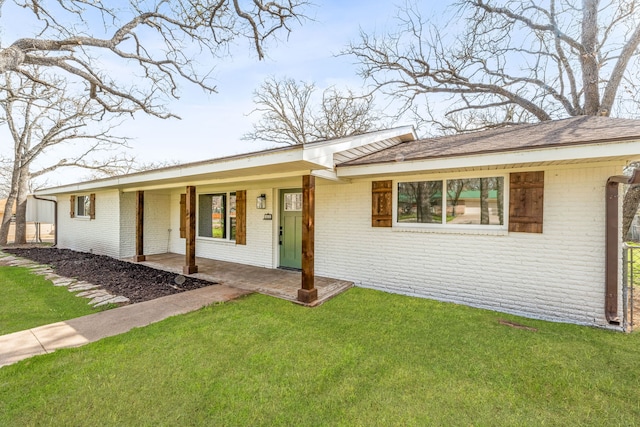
98,297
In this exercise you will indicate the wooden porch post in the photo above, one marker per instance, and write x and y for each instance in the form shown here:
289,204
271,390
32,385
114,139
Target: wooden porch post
139,227
308,293
190,266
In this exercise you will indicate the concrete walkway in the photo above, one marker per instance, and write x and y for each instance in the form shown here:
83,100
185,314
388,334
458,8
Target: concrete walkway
86,329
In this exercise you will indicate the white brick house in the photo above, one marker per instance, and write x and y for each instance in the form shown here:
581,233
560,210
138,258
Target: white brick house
390,214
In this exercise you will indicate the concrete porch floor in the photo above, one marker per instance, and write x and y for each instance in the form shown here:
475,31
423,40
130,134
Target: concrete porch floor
278,283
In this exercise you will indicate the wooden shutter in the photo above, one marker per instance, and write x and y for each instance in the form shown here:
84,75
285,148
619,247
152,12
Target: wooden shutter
526,200
72,208
183,216
241,217
92,206
381,203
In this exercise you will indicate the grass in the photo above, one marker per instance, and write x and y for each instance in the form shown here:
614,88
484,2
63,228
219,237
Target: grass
363,358
28,300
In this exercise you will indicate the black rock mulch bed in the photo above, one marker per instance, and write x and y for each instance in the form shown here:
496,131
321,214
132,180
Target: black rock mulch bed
134,281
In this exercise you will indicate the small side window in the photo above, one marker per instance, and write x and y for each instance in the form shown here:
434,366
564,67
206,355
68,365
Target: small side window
83,206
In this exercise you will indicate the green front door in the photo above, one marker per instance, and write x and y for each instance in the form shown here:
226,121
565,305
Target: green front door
291,228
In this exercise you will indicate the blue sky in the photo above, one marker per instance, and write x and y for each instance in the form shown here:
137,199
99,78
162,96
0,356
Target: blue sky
212,125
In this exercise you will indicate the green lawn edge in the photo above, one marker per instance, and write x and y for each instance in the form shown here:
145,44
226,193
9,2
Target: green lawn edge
29,300
363,358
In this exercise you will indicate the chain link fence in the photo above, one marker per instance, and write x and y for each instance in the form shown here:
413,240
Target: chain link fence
631,287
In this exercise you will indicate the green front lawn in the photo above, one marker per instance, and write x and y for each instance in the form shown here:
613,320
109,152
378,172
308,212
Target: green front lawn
28,300
363,358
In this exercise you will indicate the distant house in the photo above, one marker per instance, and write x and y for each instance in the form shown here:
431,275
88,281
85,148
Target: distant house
40,221
512,219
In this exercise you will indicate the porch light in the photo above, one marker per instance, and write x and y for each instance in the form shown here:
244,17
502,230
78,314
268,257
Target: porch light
261,202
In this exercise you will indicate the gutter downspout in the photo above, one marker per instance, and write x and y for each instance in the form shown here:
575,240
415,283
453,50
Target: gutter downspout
55,217
613,244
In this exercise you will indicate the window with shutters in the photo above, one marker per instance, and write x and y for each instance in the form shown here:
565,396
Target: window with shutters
83,206
451,203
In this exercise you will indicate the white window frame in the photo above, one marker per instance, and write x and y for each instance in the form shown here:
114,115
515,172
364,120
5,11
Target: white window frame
444,226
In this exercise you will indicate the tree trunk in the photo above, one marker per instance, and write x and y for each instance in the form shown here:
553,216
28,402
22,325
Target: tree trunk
484,201
500,188
8,209
6,218
21,209
419,203
589,57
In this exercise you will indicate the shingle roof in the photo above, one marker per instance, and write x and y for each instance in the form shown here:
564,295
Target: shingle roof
574,131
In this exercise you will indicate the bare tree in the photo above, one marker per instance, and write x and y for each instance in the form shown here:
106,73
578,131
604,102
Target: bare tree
159,42
546,60
285,108
289,115
345,114
42,120
515,61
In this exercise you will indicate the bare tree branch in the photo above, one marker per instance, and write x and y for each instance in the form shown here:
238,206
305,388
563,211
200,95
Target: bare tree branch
160,40
551,60
42,121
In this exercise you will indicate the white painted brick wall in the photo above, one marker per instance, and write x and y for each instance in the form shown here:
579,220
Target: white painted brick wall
113,232
127,225
156,222
556,275
176,244
100,235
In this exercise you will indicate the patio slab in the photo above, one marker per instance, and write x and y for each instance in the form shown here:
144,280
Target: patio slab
278,283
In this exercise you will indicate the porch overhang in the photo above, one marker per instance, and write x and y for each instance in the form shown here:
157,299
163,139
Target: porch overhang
317,158
271,165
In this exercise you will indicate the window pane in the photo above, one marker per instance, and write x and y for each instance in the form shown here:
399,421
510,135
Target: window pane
204,215
80,206
420,202
83,205
475,201
218,214
212,215
293,202
232,216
